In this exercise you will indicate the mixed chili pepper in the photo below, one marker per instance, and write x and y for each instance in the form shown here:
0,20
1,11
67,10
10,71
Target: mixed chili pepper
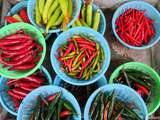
81,56
134,28
52,108
81,93
19,88
107,107
19,51
141,82
18,17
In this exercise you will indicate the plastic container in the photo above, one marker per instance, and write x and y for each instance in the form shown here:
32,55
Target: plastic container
11,29
151,12
6,100
63,38
124,94
101,82
31,14
29,102
17,8
155,99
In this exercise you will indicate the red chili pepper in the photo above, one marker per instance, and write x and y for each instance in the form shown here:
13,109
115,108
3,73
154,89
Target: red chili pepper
19,52
20,32
23,67
59,59
11,42
23,15
35,60
29,89
20,92
17,47
80,74
16,103
87,54
87,47
120,118
145,90
65,113
140,92
11,82
27,85
11,93
39,47
16,63
22,55
84,41
84,65
70,47
10,19
81,57
18,37
50,98
34,78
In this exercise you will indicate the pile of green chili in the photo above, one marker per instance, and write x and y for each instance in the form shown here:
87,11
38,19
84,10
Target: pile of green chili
108,107
52,108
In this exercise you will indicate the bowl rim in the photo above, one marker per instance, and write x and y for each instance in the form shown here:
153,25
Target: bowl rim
114,26
55,30
45,87
104,88
43,52
142,65
2,100
88,82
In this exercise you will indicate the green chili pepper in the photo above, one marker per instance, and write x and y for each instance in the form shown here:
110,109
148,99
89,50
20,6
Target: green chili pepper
70,7
43,109
126,78
69,107
43,99
96,112
76,59
97,46
102,54
75,43
52,8
95,103
85,72
96,61
83,12
98,68
52,107
83,23
111,105
73,73
71,55
37,108
96,20
38,16
101,108
59,109
32,116
78,23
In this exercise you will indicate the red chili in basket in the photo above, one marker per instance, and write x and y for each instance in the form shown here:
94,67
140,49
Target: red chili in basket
10,19
134,28
65,113
23,15
145,90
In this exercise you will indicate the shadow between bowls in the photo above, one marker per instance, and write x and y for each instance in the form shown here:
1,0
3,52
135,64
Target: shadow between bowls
29,102
6,100
151,12
123,93
62,38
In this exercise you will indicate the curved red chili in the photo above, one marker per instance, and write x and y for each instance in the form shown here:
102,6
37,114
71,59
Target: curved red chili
23,15
10,19
23,67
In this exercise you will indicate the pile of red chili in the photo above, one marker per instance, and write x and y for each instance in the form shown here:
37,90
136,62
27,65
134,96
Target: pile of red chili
81,56
52,108
19,17
19,88
19,51
134,28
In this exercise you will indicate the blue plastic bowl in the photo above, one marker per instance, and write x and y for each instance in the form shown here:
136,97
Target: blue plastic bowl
63,38
28,103
6,100
17,8
124,94
31,14
151,12
101,82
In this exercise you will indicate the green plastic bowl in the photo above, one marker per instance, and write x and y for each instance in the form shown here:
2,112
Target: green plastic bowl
155,99
11,29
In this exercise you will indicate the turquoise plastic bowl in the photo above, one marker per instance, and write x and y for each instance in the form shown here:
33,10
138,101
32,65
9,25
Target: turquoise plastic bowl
151,12
17,8
124,94
63,38
29,102
6,100
31,14
101,82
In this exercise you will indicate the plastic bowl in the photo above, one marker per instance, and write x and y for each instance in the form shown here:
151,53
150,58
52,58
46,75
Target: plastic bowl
17,8
31,12
28,103
11,29
151,12
155,100
124,94
101,82
6,100
63,38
